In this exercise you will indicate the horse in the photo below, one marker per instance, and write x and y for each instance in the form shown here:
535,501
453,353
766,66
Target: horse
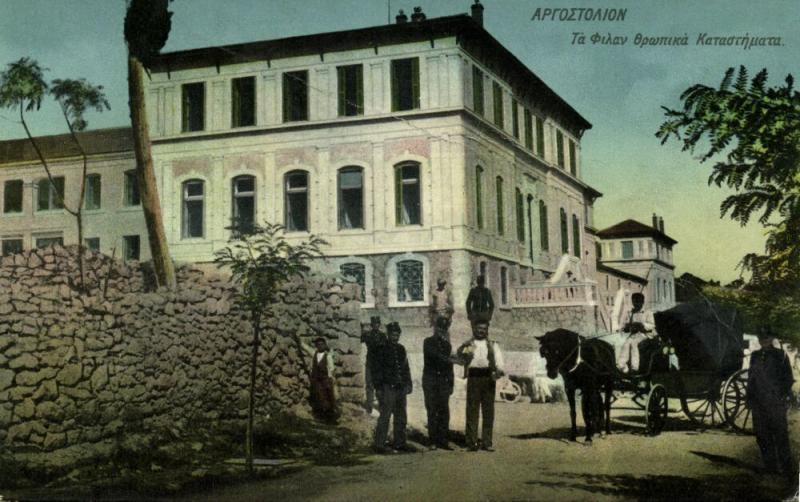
586,365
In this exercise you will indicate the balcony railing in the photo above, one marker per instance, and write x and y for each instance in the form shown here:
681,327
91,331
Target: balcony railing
554,295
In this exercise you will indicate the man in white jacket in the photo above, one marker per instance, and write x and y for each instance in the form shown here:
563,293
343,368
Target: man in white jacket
640,326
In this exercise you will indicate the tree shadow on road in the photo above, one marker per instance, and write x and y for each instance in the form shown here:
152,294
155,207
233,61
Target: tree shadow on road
560,434
662,487
722,459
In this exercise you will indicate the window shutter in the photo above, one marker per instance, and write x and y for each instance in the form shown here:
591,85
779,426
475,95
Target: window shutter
341,74
398,195
286,99
58,201
359,90
395,88
415,82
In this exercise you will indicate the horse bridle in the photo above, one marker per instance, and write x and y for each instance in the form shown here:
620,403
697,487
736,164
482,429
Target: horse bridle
578,360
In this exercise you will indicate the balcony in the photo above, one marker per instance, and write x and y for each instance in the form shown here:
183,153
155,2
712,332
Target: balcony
546,294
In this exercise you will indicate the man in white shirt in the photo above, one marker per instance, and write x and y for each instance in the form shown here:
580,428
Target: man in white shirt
640,326
483,365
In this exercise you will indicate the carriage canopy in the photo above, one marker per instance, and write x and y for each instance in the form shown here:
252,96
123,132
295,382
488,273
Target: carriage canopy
706,336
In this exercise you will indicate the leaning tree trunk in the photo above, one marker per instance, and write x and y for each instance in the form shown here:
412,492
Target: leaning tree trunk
159,250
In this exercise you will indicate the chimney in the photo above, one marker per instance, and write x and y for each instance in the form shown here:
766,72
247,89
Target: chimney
418,15
401,17
655,221
661,224
477,12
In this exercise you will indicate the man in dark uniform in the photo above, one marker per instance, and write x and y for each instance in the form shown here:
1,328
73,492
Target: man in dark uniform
769,386
372,339
480,305
392,380
437,382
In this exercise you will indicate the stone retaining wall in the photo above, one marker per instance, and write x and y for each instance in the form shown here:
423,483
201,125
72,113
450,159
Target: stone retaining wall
79,370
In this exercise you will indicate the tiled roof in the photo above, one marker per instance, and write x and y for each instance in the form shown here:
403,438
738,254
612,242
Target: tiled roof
100,141
632,228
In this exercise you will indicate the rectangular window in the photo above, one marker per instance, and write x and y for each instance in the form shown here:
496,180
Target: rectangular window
520,206
515,118
351,90
193,194
91,198
193,107
43,242
130,247
12,196
560,148
295,96
243,102
544,228
407,195
627,249
539,137
131,188
573,162
477,90
357,273
12,246
410,281
497,94
479,196
503,285
564,232
51,195
296,201
92,243
244,205
528,118
500,209
405,84
351,198
576,236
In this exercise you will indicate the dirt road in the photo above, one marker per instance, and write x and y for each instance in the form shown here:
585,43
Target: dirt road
533,461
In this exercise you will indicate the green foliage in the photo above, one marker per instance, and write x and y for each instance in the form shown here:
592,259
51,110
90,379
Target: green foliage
758,306
147,27
75,96
262,261
756,131
23,85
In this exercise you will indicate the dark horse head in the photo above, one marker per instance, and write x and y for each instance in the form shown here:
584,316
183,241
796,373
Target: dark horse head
559,349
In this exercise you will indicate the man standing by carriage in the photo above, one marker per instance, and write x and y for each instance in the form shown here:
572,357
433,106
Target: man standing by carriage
640,326
769,390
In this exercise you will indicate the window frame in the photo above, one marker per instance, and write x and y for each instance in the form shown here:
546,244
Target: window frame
573,161
54,203
539,137
544,226
185,213
99,192
504,286
576,236
57,238
478,95
238,105
515,118
187,119
497,101
564,231
560,149
7,239
295,109
479,197
520,214
392,280
527,119
397,86
346,107
340,197
624,245
89,241
501,222
130,187
127,248
290,191
401,182
7,186
236,194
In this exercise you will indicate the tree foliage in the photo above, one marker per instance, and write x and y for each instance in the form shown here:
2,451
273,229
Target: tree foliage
75,97
753,133
261,262
147,27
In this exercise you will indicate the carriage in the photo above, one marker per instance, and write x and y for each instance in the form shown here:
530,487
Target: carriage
708,379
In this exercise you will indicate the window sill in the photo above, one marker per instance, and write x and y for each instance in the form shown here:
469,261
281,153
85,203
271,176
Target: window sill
396,304
191,240
94,211
129,209
15,214
49,212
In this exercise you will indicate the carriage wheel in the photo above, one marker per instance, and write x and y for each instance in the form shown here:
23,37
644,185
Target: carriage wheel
510,392
704,409
734,403
656,409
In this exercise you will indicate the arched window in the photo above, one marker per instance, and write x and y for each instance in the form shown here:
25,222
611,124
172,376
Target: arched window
564,232
576,236
479,195
544,228
356,272
351,197
500,209
410,281
520,206
408,210
243,210
296,201
193,199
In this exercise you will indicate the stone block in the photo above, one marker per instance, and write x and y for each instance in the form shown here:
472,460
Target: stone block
99,378
26,409
70,374
6,378
47,390
33,378
24,361
49,410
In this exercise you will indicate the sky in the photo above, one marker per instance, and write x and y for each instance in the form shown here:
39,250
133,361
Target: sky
619,89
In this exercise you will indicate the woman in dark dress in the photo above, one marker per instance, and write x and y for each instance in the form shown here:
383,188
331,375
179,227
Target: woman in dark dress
322,393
